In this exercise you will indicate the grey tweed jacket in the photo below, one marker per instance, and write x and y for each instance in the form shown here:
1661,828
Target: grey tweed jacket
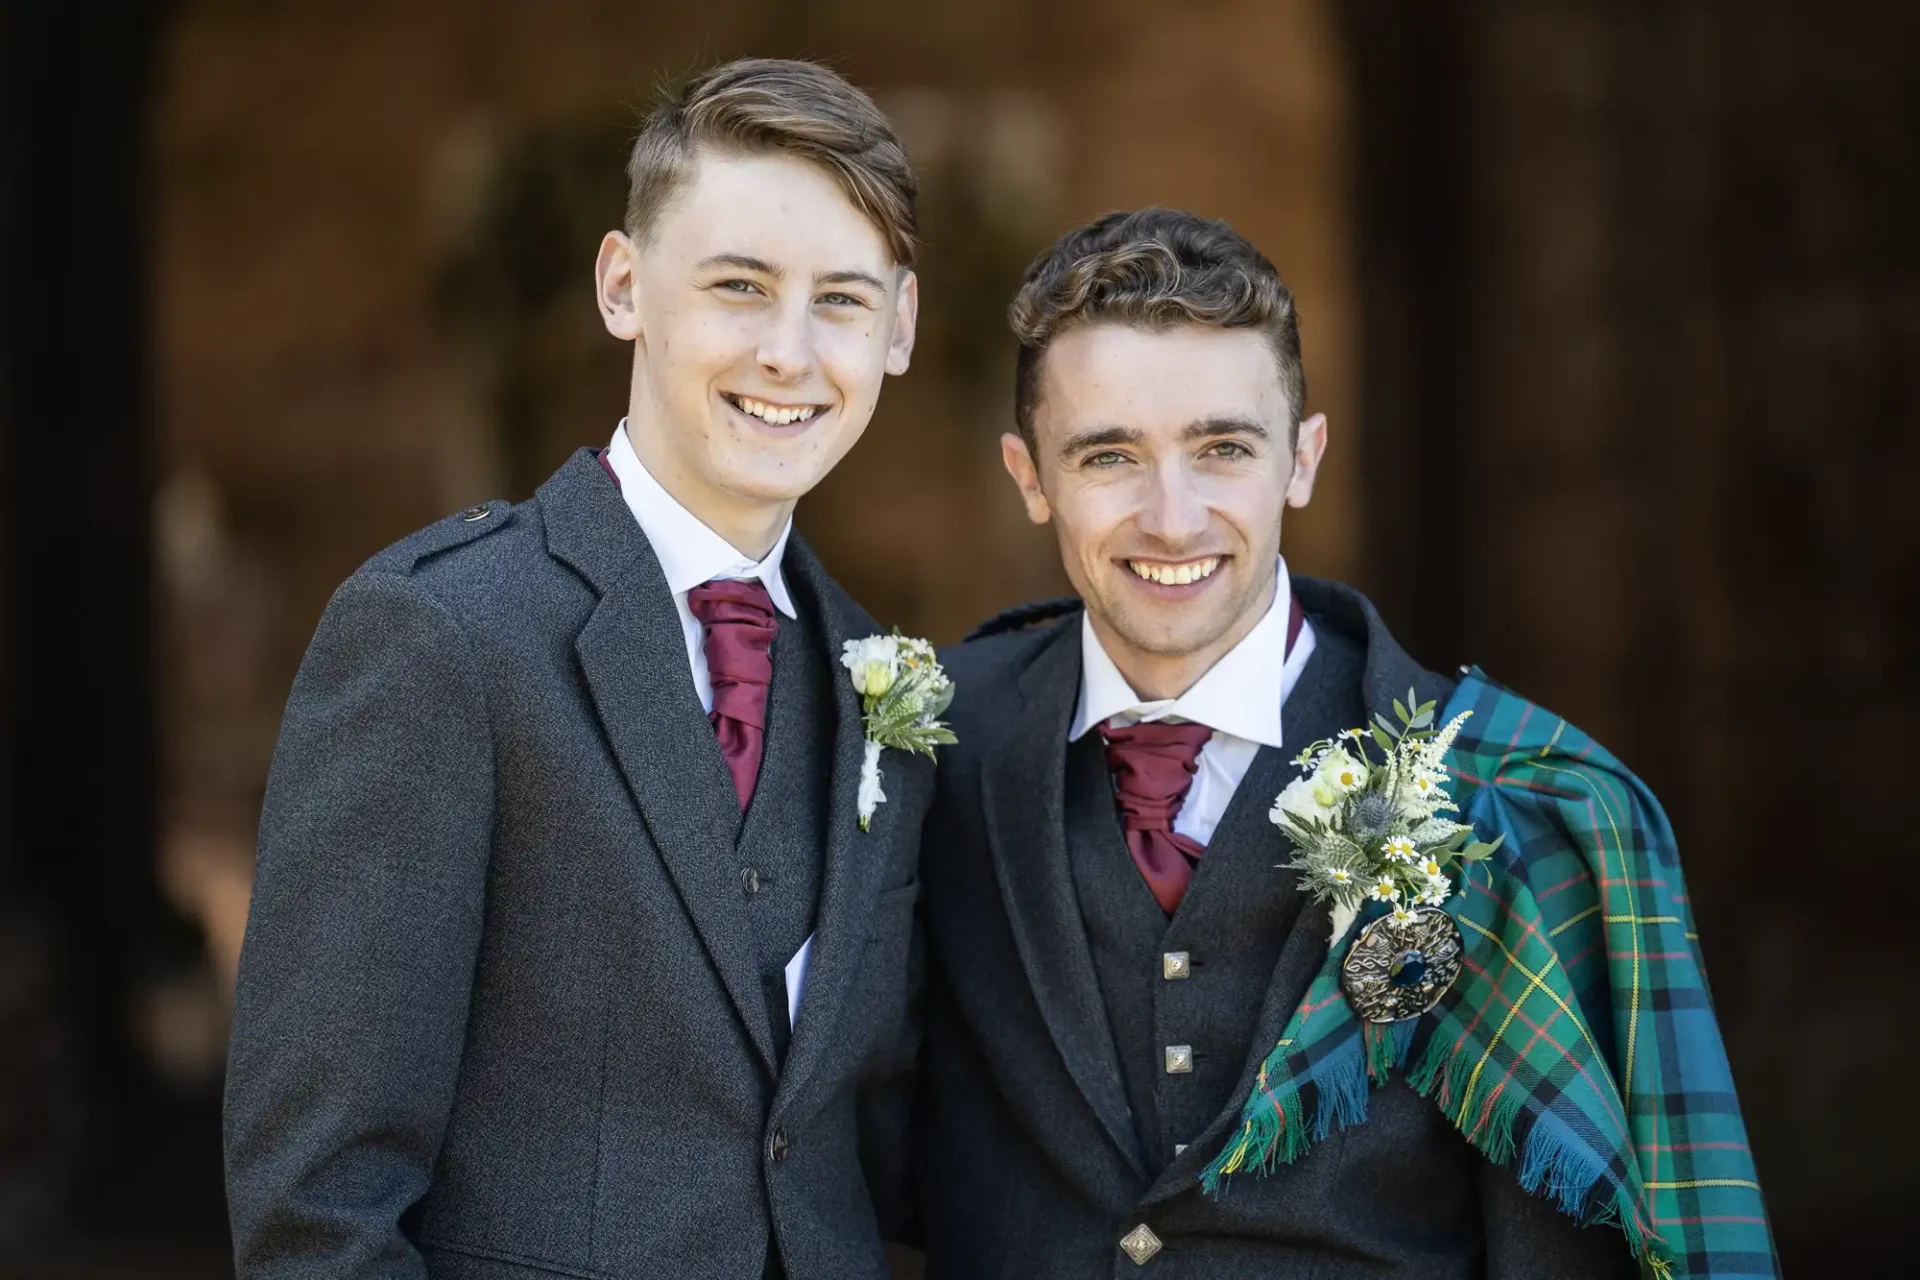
498,1011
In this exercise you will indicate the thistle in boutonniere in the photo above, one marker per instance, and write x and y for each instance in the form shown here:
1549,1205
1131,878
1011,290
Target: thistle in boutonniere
1373,830
902,692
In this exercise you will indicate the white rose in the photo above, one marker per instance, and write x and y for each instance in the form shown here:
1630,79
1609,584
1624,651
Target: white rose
873,662
1301,801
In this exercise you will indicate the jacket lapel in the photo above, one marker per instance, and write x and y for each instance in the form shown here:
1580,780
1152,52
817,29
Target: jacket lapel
1024,791
856,861
633,657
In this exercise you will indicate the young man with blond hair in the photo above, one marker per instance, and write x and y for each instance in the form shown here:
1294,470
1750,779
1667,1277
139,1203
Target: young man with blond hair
1160,1040
568,955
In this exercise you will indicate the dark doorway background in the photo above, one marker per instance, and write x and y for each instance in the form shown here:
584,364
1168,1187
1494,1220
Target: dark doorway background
1639,326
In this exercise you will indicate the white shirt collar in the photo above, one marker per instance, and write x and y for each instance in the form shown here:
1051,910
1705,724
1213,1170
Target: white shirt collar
1241,694
690,553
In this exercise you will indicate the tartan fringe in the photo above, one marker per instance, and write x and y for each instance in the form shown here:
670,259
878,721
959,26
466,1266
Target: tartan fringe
1564,1172
1279,1128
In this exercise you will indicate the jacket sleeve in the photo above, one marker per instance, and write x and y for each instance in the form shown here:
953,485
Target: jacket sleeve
362,939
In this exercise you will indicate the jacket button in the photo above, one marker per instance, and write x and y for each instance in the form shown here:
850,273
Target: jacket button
777,1146
472,514
1179,1059
1140,1244
1176,966
750,879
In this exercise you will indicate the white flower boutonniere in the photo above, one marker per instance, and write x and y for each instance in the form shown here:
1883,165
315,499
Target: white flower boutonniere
903,691
1373,831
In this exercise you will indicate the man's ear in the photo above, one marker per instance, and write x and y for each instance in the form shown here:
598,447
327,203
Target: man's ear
1311,446
906,318
1019,463
616,281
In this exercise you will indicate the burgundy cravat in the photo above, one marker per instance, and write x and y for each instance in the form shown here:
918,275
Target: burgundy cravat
1153,764
739,622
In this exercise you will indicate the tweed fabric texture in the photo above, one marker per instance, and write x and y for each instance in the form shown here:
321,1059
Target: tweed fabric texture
501,1009
1579,1045
1029,1160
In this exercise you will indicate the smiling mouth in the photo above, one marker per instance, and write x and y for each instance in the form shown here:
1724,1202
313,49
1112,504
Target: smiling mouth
777,415
1178,573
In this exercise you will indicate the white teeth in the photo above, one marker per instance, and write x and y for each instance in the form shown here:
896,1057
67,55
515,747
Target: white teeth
773,413
1175,575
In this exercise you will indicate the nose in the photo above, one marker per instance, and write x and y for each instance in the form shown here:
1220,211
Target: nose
785,350
1174,510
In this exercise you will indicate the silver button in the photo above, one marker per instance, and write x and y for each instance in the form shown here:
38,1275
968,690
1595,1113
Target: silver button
472,514
1179,1147
750,880
1179,1059
1175,965
1140,1244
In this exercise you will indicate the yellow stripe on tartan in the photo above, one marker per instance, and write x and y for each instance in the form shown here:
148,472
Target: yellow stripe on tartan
1533,980
1613,825
1703,1182
1630,919
1572,921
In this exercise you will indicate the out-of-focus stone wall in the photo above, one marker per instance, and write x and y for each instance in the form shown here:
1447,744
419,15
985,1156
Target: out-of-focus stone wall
376,229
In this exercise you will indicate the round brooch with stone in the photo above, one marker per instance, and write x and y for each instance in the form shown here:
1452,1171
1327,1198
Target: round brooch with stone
1396,970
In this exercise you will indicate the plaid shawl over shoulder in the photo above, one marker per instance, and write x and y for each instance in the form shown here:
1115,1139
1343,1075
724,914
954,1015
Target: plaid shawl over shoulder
1579,1045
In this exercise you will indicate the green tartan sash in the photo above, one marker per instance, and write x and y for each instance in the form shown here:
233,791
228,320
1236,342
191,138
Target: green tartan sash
1581,973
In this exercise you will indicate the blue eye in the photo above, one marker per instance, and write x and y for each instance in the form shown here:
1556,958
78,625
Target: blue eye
738,286
842,300
1231,449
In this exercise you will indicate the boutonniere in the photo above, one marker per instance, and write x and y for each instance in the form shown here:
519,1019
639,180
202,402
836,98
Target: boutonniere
902,692
1372,831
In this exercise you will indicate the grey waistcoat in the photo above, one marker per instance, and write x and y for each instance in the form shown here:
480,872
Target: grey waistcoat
1231,924
782,842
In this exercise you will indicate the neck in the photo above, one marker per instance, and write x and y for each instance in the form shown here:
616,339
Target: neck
750,527
1159,676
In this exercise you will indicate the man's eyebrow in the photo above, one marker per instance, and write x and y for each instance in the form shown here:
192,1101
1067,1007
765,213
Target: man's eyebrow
744,262
1207,428
1099,437
850,277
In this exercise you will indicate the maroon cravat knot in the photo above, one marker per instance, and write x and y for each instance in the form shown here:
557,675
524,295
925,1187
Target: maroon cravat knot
1153,764
740,626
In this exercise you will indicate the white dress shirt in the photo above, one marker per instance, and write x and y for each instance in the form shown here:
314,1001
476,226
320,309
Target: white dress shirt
1239,698
690,554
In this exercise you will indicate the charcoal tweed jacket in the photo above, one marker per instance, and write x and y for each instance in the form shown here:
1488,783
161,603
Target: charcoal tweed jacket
1031,1153
499,1016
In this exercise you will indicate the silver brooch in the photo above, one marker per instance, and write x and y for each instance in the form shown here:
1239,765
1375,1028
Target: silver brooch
1398,970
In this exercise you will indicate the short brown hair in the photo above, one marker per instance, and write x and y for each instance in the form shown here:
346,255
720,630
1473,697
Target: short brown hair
776,104
1153,269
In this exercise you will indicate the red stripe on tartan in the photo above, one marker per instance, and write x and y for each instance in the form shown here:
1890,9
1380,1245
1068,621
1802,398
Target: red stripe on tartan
1508,780
1580,959
1568,883
1521,1013
1486,1108
1520,728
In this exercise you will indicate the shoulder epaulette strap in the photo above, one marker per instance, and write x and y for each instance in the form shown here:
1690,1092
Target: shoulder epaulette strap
461,527
1025,615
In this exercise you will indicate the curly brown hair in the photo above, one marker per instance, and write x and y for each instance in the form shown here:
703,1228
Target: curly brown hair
1153,269
777,104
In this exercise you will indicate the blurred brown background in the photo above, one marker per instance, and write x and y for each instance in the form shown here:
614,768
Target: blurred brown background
1615,309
